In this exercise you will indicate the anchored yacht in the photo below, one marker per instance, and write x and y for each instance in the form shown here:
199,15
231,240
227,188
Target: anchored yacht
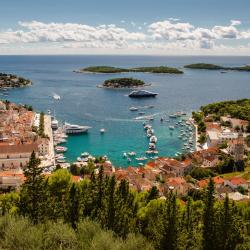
142,93
75,129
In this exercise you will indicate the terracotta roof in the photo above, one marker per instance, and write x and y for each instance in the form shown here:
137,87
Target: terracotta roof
238,180
19,148
202,183
176,181
218,180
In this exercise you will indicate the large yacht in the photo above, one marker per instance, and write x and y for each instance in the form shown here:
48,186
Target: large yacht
75,129
142,93
54,124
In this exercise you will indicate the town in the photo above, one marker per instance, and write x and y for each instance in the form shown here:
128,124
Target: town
222,152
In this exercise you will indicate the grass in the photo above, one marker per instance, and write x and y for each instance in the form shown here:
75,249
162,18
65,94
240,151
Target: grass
245,174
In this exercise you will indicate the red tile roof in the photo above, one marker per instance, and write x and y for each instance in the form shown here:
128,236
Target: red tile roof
238,180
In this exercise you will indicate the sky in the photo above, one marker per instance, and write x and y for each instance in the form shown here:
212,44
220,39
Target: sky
150,27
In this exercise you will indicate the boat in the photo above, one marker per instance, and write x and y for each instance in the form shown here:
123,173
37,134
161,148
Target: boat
142,93
49,112
171,127
56,97
141,158
172,116
102,130
124,155
60,149
85,154
141,113
54,124
75,129
151,106
132,153
133,109
162,119
151,146
153,139
129,160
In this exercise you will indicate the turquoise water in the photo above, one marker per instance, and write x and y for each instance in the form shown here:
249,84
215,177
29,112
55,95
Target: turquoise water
85,104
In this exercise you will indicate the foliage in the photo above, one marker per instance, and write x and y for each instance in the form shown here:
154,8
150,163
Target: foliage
236,109
199,173
123,83
109,69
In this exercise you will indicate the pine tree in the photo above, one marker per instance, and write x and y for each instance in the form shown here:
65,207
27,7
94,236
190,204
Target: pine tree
209,234
32,194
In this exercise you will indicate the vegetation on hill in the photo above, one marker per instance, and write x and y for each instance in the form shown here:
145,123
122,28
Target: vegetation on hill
12,81
216,67
123,83
104,69
160,69
110,69
236,109
101,213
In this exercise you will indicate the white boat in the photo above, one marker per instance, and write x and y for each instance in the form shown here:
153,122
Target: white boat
132,153
141,158
124,155
102,130
171,127
56,97
151,146
49,112
54,124
75,129
133,109
60,149
85,154
142,93
153,139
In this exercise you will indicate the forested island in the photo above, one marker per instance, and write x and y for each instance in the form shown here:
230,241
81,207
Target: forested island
13,81
116,83
216,67
110,70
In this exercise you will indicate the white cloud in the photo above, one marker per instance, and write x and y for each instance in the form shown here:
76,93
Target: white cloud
64,32
167,35
235,22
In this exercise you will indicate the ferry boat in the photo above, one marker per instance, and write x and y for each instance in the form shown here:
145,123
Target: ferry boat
142,93
75,129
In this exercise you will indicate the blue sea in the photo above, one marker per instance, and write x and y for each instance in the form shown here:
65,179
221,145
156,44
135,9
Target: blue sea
85,104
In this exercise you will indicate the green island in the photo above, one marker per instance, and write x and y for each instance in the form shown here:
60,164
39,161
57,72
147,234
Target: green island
110,70
116,83
13,81
216,67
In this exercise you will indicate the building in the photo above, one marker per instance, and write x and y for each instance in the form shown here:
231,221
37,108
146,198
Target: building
210,161
236,182
236,148
234,123
16,156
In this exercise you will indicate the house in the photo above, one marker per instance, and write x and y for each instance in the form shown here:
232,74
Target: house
235,122
16,156
170,166
236,148
178,185
212,138
236,196
11,179
210,161
218,182
236,182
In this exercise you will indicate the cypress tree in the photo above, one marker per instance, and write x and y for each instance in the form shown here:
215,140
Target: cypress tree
74,206
111,203
153,194
32,194
209,234
169,239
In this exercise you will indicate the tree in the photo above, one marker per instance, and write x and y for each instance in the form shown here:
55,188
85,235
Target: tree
73,206
111,212
153,194
32,194
209,234
170,223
